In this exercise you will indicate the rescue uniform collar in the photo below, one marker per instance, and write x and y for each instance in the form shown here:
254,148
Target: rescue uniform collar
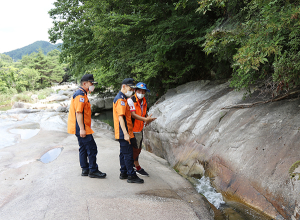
82,89
123,96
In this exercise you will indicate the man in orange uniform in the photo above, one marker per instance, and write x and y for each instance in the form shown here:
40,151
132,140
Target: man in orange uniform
138,108
79,123
123,131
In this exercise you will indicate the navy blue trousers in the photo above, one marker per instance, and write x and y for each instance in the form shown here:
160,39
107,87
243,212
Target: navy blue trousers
126,158
87,153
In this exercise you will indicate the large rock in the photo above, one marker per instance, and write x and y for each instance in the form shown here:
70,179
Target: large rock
21,105
101,103
57,97
108,103
249,152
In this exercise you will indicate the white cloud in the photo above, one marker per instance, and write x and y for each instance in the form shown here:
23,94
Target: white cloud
24,22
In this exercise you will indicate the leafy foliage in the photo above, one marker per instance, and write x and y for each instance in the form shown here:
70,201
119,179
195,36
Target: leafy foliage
148,40
263,43
167,43
34,71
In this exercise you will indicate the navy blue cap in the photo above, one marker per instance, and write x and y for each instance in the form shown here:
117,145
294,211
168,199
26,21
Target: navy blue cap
88,77
129,82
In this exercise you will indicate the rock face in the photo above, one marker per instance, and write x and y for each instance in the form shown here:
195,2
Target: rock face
251,154
101,103
61,99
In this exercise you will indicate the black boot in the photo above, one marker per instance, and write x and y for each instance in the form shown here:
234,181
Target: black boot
97,174
134,179
123,176
85,172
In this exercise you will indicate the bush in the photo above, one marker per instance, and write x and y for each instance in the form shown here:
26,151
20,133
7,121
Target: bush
22,98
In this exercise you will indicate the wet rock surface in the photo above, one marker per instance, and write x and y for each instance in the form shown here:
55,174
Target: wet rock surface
32,189
246,152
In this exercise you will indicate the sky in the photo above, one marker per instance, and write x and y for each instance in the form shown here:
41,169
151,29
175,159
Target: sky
22,22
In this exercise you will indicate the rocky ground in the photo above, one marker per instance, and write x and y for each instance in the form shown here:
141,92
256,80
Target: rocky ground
31,188
59,100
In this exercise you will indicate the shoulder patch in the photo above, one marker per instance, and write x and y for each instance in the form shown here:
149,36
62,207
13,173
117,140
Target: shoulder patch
81,100
123,103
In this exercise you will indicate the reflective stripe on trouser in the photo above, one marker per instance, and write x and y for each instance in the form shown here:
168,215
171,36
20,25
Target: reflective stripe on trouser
88,149
126,158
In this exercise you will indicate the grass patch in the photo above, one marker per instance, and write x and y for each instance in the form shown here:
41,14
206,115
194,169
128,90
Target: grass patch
7,100
42,94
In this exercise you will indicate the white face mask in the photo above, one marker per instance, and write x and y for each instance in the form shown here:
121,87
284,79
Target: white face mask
129,93
140,96
91,88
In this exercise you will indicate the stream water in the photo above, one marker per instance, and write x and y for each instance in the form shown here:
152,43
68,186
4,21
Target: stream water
225,209
105,116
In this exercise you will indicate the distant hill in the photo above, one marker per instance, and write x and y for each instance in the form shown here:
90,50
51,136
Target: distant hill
44,45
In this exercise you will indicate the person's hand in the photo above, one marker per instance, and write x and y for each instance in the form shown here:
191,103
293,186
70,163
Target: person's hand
127,137
149,119
82,133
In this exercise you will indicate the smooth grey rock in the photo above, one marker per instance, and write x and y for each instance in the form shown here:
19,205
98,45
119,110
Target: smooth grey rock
108,103
61,109
22,110
31,189
248,151
56,97
21,105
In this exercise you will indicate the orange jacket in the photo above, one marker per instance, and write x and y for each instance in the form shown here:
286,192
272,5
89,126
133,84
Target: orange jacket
121,108
80,103
141,110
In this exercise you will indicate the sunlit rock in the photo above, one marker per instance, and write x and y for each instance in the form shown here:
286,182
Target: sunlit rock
247,152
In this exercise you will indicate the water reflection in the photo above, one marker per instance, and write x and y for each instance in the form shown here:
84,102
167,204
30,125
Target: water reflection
106,117
26,131
51,155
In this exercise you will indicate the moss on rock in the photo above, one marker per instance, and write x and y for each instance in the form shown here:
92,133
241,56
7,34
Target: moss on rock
293,168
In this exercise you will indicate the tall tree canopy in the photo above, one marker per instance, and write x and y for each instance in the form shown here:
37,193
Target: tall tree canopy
147,40
167,43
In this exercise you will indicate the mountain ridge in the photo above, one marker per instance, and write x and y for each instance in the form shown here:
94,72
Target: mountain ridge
34,47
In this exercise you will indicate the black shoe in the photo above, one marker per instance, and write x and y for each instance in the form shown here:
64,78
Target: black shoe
134,179
85,172
142,172
97,174
123,176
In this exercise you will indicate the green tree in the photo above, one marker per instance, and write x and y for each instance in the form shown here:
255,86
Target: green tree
148,40
29,78
261,39
5,60
50,71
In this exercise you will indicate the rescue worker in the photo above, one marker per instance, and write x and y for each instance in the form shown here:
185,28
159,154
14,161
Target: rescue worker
123,131
138,109
79,123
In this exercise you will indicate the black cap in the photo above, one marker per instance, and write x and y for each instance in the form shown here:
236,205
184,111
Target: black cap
129,82
88,77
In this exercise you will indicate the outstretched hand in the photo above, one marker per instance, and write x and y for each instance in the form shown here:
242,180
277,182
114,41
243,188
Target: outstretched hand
149,119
